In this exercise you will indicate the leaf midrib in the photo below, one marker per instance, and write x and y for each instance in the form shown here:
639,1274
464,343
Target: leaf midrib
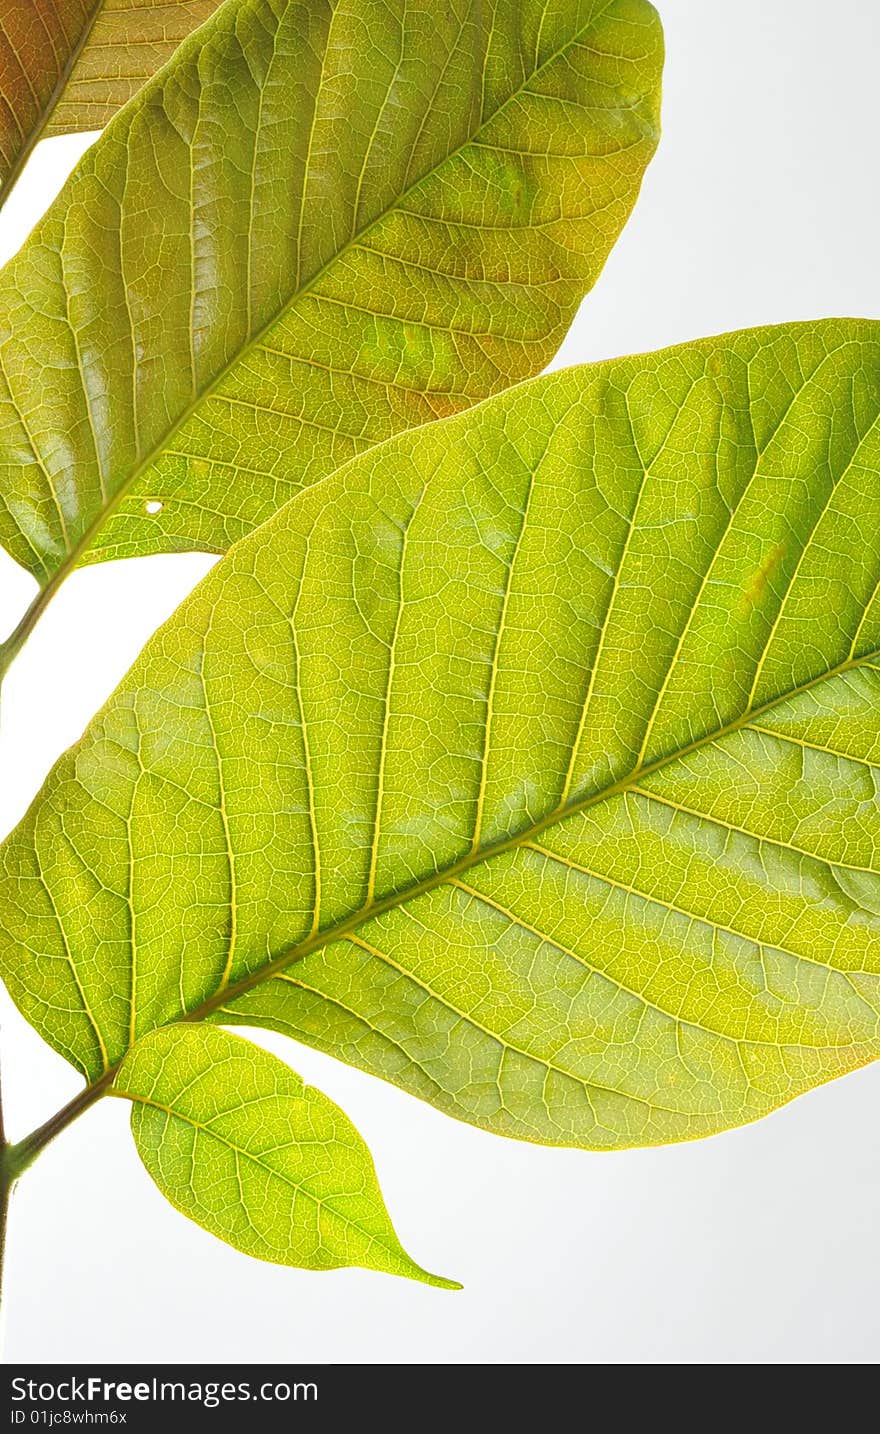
227,993
27,1150
91,532
202,1127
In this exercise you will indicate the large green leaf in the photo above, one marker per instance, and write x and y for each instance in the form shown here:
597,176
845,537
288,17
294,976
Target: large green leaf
68,65
533,756
240,1145
321,223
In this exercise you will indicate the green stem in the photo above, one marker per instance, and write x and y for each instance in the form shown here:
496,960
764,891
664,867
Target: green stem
20,1156
15,1159
5,1192
16,640
6,1183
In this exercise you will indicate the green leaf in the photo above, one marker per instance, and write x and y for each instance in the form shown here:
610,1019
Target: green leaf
68,65
238,1143
531,761
320,224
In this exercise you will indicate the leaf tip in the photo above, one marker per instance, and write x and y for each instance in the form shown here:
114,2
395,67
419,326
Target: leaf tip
438,1282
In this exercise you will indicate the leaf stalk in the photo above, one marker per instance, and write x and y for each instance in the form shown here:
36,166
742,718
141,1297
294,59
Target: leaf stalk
18,1157
7,1179
11,647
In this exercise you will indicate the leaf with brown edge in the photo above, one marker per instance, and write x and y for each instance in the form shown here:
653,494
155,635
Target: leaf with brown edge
318,225
69,65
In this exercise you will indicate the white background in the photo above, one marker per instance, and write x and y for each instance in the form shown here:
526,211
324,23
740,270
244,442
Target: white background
760,1246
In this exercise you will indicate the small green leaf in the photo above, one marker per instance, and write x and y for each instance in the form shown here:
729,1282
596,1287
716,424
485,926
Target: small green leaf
68,65
241,1145
321,223
531,761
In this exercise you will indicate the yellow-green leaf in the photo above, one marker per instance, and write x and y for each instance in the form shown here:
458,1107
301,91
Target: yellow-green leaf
321,223
68,65
531,761
238,1143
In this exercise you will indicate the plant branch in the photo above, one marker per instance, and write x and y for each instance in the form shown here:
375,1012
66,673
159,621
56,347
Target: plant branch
20,1156
6,1182
5,1193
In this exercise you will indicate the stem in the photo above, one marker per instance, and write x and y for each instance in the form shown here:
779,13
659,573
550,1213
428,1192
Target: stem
15,1159
5,1192
16,640
6,1183
20,1156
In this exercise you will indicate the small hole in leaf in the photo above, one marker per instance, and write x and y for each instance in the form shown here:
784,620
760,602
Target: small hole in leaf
153,506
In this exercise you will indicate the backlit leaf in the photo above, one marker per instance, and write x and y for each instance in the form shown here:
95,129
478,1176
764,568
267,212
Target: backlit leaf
239,1144
531,761
320,224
